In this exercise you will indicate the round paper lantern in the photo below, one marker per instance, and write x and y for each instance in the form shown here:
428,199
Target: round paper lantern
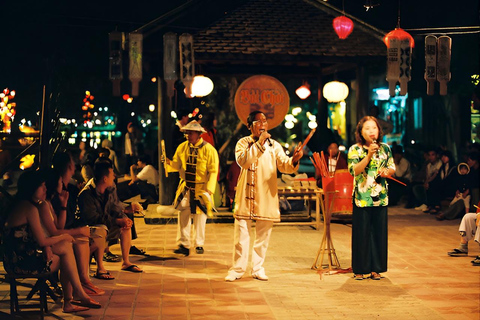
399,34
201,86
335,91
303,92
343,26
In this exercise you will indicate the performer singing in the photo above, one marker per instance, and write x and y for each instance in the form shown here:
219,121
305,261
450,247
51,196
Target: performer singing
257,195
369,162
197,163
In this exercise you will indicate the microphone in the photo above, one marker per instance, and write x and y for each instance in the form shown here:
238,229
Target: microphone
269,142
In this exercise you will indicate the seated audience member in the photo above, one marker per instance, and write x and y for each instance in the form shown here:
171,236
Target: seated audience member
87,165
81,247
29,251
108,144
99,205
402,173
145,178
469,229
420,191
473,159
462,192
440,186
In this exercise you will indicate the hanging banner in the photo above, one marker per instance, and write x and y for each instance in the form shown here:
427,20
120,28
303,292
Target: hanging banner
187,62
116,42
405,65
135,41
170,61
430,63
262,93
444,55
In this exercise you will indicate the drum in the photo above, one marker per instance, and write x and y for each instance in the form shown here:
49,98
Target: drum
338,192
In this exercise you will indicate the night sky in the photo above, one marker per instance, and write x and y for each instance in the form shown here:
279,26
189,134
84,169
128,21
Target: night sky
64,44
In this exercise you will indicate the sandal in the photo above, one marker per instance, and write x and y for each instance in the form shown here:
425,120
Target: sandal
457,253
104,275
92,290
476,261
90,303
358,276
375,276
135,250
110,257
133,268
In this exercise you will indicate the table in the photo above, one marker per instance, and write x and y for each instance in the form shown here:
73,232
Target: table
304,193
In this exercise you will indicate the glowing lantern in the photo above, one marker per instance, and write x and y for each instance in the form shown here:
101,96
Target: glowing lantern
27,161
335,91
399,57
151,107
343,26
303,92
201,86
125,97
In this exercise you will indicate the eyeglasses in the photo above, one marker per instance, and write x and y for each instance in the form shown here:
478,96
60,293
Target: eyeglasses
259,122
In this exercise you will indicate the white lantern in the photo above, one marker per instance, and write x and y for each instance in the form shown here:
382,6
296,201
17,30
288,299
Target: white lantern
201,86
335,91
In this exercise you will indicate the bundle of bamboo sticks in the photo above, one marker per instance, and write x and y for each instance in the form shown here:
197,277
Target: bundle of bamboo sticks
320,163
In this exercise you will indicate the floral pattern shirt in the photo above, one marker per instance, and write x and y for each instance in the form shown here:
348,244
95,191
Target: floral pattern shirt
369,189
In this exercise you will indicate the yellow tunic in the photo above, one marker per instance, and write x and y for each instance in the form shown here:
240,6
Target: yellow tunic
257,192
207,168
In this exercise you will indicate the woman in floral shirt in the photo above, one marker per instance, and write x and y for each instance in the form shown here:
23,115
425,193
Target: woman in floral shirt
369,162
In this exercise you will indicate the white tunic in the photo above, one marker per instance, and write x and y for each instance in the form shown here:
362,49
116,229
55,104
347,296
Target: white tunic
257,193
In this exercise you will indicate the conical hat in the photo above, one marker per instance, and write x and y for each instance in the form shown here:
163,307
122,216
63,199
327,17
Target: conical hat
193,126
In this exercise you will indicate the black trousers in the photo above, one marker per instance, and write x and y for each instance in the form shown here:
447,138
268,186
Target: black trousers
369,239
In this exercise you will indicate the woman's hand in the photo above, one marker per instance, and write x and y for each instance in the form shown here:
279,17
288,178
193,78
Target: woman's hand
68,238
84,231
63,197
372,149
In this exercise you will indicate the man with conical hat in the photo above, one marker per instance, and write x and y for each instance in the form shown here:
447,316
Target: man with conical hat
197,163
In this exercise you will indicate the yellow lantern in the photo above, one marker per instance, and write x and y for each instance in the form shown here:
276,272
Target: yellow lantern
335,91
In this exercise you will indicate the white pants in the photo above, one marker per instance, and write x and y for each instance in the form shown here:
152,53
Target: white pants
263,230
184,226
469,226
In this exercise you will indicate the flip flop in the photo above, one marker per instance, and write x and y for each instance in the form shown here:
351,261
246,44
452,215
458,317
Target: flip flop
76,309
92,290
89,304
132,268
104,276
457,253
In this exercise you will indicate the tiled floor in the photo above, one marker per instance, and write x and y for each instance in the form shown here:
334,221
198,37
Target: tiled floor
422,281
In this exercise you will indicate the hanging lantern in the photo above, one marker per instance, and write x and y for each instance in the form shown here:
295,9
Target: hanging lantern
303,92
201,86
399,57
343,26
335,91
135,66
170,54
187,62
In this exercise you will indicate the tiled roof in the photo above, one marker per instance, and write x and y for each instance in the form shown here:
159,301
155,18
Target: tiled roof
284,30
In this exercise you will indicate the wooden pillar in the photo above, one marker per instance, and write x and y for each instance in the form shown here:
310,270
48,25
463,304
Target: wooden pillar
362,92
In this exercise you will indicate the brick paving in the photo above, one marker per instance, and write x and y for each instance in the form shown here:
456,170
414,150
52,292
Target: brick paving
422,281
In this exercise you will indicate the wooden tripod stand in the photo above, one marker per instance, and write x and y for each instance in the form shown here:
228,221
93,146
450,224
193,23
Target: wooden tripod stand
326,245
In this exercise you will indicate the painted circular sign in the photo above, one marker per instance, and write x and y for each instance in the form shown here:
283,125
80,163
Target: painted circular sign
265,94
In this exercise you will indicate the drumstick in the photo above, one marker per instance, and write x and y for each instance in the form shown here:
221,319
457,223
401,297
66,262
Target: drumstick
162,143
392,178
301,145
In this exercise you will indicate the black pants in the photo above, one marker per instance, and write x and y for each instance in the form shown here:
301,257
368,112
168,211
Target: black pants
369,239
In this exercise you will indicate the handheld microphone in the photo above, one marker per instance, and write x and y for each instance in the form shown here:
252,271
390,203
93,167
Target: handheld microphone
269,142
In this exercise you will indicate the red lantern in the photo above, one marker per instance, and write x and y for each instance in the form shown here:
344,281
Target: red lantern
399,34
343,26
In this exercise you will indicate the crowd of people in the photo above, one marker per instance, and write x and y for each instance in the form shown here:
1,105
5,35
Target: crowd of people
74,211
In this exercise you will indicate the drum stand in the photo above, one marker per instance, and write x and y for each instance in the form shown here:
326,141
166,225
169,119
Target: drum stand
327,243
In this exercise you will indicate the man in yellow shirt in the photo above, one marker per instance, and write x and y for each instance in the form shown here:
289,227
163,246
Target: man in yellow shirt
197,163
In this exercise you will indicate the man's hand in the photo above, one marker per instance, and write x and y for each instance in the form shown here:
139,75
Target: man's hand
124,223
136,207
297,155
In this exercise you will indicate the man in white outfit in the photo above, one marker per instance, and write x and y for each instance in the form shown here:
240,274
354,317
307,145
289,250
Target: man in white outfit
257,196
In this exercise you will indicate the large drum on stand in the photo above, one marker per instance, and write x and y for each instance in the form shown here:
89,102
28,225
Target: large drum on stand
338,193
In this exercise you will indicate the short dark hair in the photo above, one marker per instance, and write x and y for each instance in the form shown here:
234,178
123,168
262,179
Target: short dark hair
144,158
28,183
51,182
358,132
101,169
251,117
473,155
60,162
104,150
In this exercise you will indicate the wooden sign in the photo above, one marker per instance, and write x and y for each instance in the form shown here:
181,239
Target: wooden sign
262,93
